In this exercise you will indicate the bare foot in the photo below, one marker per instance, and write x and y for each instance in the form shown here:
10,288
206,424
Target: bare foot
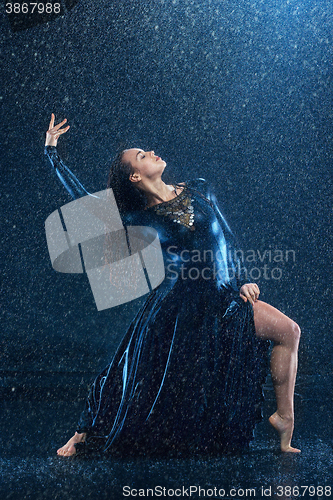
69,448
285,427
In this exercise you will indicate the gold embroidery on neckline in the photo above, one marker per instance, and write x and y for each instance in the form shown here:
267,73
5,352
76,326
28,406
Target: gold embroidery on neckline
180,209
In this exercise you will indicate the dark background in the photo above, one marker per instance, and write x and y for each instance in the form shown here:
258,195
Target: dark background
238,92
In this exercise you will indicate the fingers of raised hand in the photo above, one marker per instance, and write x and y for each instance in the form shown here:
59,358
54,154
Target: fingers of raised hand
52,121
56,132
55,128
60,124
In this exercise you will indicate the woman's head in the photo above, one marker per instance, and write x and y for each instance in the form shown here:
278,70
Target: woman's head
131,173
146,166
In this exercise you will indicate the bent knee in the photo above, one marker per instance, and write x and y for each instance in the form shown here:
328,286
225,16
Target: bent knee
295,331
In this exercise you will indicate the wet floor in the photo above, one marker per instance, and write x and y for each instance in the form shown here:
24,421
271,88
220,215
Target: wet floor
35,427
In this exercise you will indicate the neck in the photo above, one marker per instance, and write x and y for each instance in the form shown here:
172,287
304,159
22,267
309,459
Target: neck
157,191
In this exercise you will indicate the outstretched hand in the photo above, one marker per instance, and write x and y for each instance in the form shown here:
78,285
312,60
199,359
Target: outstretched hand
53,133
249,292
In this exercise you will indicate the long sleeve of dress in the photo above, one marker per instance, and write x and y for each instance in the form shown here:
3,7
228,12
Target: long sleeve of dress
238,274
66,176
233,245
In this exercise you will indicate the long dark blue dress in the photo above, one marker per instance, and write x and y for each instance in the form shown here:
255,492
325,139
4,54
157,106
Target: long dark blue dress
187,377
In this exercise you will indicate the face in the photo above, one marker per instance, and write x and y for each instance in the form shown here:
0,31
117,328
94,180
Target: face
146,164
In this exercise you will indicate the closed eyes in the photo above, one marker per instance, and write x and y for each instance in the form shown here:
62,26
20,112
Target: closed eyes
140,153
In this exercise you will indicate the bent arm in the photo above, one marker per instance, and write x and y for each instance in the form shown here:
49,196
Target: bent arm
236,268
66,176
235,264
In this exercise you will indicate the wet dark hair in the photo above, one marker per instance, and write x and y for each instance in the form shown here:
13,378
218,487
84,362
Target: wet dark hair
128,196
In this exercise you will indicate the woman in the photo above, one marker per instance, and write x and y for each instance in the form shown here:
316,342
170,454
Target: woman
187,377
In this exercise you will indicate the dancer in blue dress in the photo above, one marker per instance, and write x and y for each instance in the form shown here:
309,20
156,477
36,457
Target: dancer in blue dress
187,377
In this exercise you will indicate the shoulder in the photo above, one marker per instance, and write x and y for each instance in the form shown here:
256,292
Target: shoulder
199,184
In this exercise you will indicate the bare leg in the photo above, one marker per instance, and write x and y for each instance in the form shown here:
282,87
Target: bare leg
272,324
69,448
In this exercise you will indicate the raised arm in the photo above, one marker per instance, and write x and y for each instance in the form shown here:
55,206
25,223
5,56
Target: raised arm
68,179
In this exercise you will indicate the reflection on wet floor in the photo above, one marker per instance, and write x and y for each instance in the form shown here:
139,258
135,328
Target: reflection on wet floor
34,428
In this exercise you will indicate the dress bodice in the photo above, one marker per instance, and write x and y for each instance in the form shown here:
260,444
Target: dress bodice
194,235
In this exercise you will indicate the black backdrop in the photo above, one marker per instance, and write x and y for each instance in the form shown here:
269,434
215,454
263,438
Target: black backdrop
238,92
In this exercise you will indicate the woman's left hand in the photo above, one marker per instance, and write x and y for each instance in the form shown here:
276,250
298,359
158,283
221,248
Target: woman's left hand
249,292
